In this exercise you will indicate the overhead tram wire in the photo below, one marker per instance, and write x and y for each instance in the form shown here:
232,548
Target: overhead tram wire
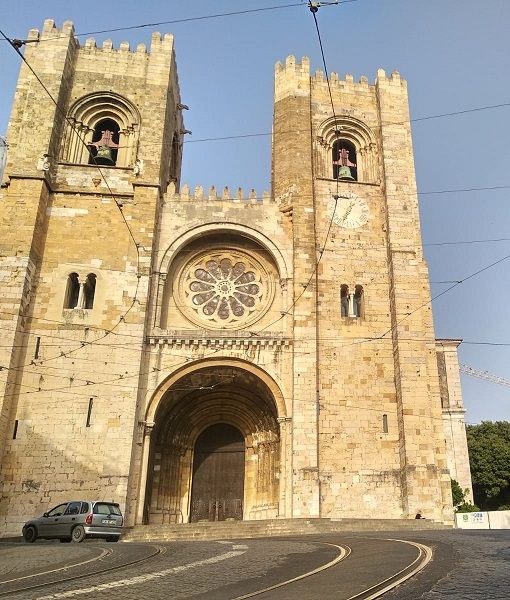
414,120
70,389
16,47
429,302
191,19
445,191
314,7
327,235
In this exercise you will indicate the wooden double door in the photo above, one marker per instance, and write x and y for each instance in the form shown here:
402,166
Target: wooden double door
218,475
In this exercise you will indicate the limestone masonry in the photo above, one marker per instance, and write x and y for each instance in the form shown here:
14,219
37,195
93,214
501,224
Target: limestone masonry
216,354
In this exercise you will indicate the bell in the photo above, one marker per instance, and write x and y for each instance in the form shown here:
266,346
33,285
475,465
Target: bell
104,156
344,173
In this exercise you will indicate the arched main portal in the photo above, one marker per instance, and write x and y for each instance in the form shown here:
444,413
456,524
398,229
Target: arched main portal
216,440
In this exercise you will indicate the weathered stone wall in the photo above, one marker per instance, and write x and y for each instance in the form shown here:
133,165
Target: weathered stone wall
342,415
453,414
57,219
382,363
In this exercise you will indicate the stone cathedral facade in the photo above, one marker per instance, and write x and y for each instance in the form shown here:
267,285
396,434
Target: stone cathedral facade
211,354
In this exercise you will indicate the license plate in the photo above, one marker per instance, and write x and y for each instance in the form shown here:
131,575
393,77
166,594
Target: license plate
108,522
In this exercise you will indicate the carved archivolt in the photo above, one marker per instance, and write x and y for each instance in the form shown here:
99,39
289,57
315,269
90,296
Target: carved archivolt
224,288
86,113
357,133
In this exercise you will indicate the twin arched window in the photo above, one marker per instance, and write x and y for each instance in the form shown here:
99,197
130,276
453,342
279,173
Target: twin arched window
80,292
351,301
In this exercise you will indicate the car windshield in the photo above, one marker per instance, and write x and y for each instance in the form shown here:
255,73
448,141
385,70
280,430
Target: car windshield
105,508
57,511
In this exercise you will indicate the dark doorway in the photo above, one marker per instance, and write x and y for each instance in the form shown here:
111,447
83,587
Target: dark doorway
218,475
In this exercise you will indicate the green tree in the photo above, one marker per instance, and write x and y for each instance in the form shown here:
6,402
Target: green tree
459,499
489,458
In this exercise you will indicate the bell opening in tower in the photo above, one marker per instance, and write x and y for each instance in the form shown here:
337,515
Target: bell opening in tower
105,143
344,161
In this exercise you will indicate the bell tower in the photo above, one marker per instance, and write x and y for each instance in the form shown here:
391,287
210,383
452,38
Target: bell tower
369,435
82,189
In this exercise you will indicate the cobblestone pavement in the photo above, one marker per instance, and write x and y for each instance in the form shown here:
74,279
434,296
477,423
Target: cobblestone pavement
467,565
16,560
185,570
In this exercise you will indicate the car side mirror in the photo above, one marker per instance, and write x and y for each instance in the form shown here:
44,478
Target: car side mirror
45,514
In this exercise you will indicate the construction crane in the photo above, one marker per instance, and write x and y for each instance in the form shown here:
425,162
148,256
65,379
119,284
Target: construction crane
484,375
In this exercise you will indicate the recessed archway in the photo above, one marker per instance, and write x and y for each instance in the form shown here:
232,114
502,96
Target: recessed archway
226,406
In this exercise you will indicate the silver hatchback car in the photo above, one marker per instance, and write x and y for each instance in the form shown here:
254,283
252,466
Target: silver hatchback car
75,521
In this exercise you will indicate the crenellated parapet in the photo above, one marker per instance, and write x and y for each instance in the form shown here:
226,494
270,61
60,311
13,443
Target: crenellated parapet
337,83
159,43
293,75
199,194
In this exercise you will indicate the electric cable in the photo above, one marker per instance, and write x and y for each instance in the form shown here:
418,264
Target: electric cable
190,19
446,191
117,204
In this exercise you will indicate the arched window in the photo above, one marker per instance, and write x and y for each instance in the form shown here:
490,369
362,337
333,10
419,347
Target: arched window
88,122
105,143
344,160
358,301
72,291
346,144
80,292
89,289
344,300
351,303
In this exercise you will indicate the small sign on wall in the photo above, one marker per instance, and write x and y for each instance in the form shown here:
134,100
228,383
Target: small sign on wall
484,520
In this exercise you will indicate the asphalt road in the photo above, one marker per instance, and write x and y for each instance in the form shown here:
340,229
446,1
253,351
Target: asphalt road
466,565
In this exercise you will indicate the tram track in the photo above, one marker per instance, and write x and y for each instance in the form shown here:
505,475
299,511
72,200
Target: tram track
371,593
384,586
53,576
326,574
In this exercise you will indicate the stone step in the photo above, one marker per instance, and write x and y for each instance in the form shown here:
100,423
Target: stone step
273,527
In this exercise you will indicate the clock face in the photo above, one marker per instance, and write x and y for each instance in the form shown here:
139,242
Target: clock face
351,211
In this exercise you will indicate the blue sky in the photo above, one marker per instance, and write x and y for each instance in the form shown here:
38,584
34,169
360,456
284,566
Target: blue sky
454,55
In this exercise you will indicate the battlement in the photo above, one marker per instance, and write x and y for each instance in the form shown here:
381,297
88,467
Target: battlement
199,195
348,79
291,66
159,43
296,72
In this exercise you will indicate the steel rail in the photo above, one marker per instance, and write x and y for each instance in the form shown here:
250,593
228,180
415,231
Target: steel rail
157,551
375,591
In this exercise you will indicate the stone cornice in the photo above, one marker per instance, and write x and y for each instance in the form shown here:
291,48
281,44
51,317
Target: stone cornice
211,341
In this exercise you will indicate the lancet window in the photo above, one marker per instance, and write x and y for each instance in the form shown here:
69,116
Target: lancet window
72,291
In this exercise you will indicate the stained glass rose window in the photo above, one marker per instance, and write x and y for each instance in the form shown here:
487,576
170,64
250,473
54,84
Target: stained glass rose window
226,288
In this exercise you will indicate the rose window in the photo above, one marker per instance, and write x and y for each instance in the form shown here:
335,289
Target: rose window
225,288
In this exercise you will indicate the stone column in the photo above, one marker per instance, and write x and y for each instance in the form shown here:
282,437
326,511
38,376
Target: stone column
146,444
285,493
81,295
351,305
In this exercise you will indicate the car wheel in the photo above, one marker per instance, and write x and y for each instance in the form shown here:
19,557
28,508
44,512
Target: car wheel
112,538
78,534
30,534
65,540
